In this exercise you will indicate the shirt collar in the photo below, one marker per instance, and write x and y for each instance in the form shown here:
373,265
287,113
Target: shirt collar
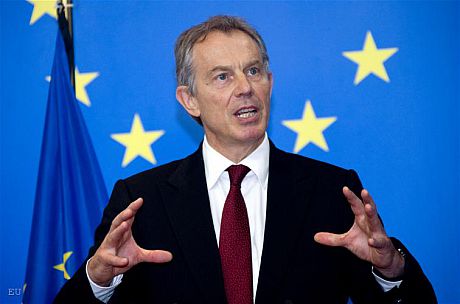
215,163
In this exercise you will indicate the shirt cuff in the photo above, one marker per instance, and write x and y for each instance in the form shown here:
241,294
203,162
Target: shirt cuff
100,292
386,285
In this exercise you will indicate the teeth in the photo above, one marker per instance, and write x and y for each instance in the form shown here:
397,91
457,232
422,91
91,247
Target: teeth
245,113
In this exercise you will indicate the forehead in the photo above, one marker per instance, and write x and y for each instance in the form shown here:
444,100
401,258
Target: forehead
219,48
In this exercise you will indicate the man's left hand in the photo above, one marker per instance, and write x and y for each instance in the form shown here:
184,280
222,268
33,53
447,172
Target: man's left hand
366,238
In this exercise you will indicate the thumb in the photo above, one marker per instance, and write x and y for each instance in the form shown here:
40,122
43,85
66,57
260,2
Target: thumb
155,256
329,239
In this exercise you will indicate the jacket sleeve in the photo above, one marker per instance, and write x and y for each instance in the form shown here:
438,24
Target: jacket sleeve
414,289
78,289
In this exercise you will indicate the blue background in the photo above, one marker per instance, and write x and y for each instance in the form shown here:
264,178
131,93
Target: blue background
402,137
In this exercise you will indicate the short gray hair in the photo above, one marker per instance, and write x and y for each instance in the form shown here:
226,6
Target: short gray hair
185,42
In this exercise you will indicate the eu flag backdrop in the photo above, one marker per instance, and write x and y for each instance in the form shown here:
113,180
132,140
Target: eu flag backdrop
369,85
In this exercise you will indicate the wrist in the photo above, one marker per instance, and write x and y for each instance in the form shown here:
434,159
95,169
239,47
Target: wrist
395,271
92,274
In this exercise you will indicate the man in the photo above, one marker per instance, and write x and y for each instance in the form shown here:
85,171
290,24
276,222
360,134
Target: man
277,228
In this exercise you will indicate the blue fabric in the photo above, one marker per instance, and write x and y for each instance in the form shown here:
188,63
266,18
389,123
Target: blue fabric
70,191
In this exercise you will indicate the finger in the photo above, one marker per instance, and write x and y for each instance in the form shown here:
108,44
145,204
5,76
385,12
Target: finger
116,261
115,236
155,256
375,225
355,202
330,239
378,242
367,198
128,213
136,205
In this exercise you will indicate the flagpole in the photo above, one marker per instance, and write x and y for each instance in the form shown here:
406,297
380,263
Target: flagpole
66,27
69,14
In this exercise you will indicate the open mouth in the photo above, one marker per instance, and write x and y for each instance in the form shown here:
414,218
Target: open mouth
246,112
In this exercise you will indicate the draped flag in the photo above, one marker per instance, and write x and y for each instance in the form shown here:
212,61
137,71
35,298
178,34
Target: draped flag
70,189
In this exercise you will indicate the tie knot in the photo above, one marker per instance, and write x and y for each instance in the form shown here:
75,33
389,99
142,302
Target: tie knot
237,173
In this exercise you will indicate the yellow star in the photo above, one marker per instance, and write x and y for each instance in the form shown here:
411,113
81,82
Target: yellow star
370,60
309,128
42,7
137,142
81,81
61,266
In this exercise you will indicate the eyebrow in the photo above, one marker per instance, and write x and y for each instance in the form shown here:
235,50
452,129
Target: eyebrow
254,62
219,68
227,67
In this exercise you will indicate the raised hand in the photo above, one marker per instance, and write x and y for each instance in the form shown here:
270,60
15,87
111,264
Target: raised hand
366,238
119,251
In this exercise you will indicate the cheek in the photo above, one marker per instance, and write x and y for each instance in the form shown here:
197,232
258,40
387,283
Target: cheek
214,108
264,96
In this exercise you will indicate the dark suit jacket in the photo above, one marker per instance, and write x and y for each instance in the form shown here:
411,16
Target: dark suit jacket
304,197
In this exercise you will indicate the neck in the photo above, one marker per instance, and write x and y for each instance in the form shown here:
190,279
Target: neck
238,151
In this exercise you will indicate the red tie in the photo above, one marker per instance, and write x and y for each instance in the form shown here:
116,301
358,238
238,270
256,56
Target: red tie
235,242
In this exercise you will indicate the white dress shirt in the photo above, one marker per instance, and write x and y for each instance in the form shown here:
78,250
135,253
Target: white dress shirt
254,190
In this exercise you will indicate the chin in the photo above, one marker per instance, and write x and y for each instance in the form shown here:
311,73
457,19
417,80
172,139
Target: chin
253,134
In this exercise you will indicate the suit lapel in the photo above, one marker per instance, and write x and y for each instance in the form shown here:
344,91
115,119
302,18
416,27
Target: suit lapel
187,204
287,204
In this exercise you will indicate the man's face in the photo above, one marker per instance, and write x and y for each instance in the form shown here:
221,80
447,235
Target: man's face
232,90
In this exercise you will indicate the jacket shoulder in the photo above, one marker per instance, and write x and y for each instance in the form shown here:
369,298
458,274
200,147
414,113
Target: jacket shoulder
305,164
164,172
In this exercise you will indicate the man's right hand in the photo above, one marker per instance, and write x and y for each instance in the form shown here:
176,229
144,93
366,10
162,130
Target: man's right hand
119,251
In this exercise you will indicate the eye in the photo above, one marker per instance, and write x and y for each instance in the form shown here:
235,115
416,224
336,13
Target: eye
222,77
253,71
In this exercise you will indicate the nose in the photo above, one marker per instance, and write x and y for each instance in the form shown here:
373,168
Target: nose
242,86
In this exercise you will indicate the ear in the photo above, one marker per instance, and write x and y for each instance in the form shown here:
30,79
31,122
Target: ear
270,79
188,101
